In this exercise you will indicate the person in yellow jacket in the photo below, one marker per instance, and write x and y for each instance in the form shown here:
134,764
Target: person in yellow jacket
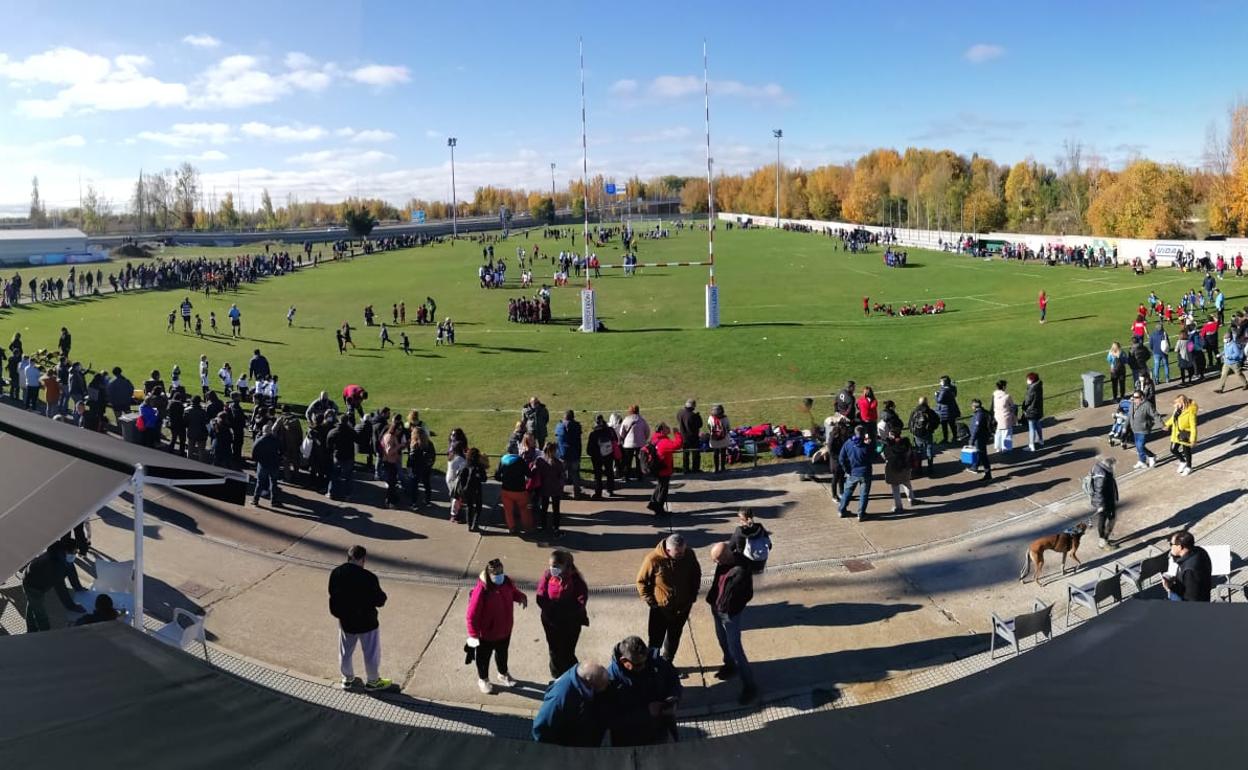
1182,425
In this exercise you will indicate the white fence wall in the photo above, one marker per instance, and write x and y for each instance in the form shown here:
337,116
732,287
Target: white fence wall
1128,248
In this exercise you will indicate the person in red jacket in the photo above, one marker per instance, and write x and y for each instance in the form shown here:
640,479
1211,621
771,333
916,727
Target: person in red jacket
666,445
490,619
869,411
561,595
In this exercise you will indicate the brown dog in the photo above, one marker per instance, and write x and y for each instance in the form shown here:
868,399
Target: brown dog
1065,542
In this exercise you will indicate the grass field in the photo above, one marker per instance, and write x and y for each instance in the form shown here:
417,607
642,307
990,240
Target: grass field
791,314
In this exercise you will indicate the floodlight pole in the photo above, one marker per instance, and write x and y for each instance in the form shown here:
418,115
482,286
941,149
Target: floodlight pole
451,142
136,491
589,315
778,134
552,181
712,291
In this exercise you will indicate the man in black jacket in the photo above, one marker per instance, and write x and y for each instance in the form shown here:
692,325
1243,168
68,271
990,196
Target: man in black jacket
1104,498
1193,577
354,596
48,572
258,367
845,402
732,588
341,444
267,454
689,423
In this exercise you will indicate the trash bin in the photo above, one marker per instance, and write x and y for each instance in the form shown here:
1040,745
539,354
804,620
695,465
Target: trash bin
1093,389
129,428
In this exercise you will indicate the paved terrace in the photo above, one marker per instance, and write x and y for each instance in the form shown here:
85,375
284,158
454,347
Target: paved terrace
847,612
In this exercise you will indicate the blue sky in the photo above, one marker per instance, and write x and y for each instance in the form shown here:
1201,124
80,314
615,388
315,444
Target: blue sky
326,99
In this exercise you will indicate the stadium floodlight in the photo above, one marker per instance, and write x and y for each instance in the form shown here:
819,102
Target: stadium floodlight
778,134
451,142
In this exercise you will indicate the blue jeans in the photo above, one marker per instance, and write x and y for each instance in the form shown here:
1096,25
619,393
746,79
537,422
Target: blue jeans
1172,596
1034,434
728,632
1140,440
1161,361
266,478
863,484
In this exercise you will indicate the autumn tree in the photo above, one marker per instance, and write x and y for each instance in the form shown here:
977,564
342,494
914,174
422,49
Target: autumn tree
1145,200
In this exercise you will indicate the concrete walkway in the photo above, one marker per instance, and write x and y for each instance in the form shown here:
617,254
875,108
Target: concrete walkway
848,610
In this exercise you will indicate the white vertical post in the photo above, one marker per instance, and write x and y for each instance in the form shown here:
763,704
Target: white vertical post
136,489
712,291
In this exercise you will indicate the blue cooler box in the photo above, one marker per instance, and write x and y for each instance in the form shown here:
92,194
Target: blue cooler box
970,456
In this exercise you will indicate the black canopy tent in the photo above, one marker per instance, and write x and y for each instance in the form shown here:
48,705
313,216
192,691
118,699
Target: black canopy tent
53,475
1149,685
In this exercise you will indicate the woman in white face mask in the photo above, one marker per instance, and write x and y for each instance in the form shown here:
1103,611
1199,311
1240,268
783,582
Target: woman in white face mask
562,594
490,620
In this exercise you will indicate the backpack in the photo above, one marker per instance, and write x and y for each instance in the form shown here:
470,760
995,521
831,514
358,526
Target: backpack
717,429
648,457
757,549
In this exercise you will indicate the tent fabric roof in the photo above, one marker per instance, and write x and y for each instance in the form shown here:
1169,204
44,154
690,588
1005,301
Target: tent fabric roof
120,456
45,494
45,233
1151,684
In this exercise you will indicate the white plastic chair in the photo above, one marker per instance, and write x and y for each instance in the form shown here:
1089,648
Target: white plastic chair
185,628
115,578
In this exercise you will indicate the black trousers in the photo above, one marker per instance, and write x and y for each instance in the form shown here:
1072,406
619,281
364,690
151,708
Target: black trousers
685,455
1104,524
561,639
948,428
664,629
604,467
629,465
499,650
658,498
1118,386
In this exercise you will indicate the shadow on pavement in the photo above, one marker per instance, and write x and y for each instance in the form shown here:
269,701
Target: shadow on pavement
787,614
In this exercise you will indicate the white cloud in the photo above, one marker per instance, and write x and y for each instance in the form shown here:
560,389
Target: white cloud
189,134
380,75
675,87
339,158
982,52
296,60
296,133
201,41
239,81
625,87
431,133
35,149
207,156
372,135
662,135
88,82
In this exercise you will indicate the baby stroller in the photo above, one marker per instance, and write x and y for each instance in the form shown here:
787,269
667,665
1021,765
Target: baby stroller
1120,430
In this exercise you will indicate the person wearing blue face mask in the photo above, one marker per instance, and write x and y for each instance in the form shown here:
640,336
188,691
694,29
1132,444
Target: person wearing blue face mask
490,619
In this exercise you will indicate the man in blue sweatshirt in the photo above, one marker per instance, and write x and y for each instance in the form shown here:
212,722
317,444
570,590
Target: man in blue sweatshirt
857,457
571,712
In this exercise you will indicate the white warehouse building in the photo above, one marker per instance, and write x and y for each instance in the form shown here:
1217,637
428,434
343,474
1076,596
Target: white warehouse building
45,247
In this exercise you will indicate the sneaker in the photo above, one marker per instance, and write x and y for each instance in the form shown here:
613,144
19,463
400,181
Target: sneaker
1152,461
378,684
485,687
1102,544
350,684
1138,465
1186,471
1182,467
506,681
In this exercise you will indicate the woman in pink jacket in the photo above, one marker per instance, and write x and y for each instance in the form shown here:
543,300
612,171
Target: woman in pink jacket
490,621
561,595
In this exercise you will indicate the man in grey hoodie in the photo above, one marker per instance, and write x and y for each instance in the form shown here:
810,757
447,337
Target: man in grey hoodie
1143,417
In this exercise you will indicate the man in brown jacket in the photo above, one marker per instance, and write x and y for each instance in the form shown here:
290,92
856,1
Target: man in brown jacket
668,583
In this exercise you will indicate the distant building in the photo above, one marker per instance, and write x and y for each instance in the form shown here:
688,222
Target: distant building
46,247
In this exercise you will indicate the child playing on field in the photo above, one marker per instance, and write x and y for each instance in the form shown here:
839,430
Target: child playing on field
441,334
212,321
199,325
406,343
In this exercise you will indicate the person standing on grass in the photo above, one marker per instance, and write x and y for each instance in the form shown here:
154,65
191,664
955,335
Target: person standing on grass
1003,410
290,317
1143,417
354,597
1182,425
718,428
634,434
568,439
1044,305
490,619
856,458
732,588
236,321
668,583
1033,411
947,409
1232,361
562,596
384,336
846,402
689,424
